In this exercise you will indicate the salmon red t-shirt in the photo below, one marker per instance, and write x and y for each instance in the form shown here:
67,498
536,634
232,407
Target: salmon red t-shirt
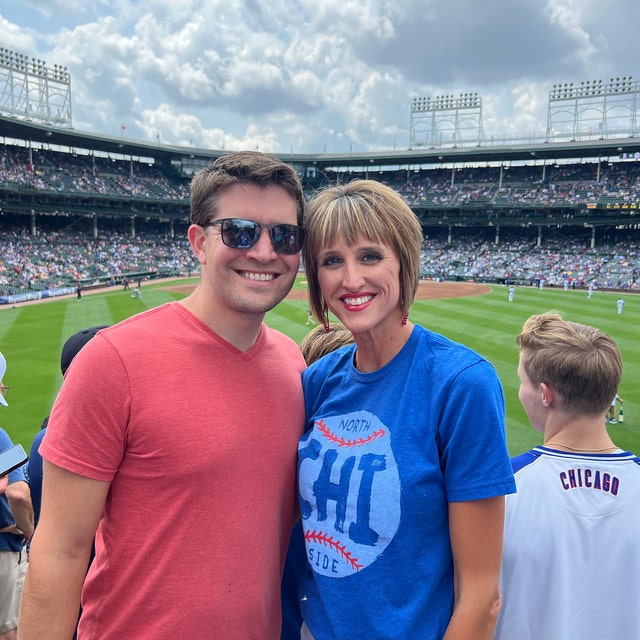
198,441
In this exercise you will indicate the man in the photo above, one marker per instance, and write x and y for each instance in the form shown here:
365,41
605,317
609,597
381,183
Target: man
173,440
571,557
16,529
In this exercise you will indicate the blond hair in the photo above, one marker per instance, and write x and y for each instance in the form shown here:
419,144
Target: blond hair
581,362
320,341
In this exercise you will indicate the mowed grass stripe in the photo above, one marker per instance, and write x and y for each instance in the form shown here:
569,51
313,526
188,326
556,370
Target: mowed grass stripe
32,348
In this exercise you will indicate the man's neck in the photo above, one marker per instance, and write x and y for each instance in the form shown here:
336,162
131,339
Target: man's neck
242,330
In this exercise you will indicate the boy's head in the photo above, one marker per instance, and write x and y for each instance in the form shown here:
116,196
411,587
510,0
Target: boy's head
580,362
320,341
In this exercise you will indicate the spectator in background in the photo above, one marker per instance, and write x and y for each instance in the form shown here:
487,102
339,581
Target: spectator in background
322,340
611,416
173,440
16,529
3,390
34,468
571,557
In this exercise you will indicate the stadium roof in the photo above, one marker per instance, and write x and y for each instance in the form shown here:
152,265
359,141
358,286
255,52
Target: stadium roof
19,129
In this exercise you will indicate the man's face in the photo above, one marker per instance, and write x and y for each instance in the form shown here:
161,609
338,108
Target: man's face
253,280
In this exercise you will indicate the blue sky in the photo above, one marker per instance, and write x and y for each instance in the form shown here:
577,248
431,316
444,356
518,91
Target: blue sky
310,76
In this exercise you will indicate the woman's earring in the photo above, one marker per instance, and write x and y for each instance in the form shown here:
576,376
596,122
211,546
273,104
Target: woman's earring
325,318
405,317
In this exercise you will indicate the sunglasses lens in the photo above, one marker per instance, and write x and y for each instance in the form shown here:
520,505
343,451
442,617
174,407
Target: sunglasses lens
243,234
240,234
287,238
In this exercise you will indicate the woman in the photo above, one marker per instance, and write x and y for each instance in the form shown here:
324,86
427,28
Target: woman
403,467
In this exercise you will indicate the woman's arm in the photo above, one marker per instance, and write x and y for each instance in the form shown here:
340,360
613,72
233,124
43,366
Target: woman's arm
476,531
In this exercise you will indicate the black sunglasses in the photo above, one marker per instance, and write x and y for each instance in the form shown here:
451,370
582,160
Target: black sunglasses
238,233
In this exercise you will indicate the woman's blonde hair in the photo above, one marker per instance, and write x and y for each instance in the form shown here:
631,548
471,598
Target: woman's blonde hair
362,208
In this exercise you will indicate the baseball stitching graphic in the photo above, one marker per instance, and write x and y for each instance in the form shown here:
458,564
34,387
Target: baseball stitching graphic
350,492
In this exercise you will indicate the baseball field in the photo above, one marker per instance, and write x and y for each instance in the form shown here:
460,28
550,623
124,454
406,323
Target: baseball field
32,335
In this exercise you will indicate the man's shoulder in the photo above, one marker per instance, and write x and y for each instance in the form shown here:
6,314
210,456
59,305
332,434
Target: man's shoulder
5,440
279,340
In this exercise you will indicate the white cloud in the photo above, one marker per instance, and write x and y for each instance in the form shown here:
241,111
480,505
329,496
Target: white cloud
303,74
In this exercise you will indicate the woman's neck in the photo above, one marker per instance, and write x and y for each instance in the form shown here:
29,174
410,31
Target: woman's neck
374,352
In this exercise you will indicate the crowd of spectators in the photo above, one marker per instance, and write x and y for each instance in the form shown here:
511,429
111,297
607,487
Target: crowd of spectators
62,256
522,261
615,184
53,259
589,184
73,173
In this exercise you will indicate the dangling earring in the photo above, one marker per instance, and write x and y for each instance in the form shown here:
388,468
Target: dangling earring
325,318
405,317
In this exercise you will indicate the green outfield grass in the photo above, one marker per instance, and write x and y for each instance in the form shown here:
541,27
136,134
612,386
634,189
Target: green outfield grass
31,337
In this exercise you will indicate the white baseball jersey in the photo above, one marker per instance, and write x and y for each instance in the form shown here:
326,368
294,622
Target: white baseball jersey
571,560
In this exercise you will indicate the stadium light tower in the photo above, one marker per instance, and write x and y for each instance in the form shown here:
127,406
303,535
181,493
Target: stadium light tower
32,91
447,121
593,109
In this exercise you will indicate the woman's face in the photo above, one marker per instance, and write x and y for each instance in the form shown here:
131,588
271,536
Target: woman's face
361,284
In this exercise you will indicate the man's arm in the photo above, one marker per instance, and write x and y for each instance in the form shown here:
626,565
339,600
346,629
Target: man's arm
476,530
19,500
71,509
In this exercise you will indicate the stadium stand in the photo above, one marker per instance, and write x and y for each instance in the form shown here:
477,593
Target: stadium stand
70,216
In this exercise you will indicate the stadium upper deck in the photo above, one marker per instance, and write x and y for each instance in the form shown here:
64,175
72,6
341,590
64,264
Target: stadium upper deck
52,171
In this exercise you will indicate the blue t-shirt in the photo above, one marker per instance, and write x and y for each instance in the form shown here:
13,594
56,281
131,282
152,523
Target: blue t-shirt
383,455
35,474
9,541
